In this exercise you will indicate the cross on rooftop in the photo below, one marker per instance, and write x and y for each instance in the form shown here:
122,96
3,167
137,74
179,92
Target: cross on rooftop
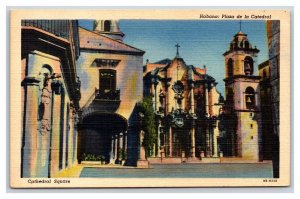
177,46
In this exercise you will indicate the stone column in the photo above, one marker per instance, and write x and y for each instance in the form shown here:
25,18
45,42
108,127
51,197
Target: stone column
64,132
193,122
55,135
125,146
111,154
192,99
142,154
152,89
170,142
207,137
120,147
155,96
215,143
167,101
116,148
71,136
142,161
75,160
157,146
31,126
193,141
207,141
211,141
206,102
45,125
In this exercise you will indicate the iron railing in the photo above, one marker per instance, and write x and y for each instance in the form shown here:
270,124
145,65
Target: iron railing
107,95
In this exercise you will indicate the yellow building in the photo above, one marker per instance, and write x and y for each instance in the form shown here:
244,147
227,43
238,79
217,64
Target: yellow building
243,98
111,75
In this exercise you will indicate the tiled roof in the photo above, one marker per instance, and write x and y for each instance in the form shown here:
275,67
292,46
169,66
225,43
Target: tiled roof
164,61
94,41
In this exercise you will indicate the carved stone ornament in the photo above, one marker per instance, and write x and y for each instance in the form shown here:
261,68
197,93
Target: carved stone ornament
179,122
44,108
44,127
178,87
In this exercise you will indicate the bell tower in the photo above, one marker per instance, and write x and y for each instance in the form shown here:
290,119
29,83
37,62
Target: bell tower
109,28
242,96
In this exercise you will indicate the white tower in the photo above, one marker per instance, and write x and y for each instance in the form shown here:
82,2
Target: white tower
109,28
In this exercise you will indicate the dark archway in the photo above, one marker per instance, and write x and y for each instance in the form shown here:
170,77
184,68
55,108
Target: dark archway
230,67
107,24
97,134
250,98
248,66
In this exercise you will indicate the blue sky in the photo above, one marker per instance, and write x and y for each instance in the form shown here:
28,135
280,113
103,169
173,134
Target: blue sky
202,42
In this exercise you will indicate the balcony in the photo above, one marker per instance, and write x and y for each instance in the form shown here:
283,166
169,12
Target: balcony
109,95
102,101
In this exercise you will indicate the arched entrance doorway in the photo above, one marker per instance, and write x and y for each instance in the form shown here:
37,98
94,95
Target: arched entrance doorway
103,135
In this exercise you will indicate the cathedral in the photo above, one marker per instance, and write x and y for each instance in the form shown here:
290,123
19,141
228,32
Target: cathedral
186,105
192,118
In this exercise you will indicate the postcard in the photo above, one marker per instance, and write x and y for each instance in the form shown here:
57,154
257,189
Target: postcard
149,98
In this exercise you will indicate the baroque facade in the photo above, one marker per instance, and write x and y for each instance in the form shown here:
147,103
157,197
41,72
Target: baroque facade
186,106
50,96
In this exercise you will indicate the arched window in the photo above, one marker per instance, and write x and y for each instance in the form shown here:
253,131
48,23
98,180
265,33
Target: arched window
106,25
247,44
248,65
250,98
230,68
264,74
241,44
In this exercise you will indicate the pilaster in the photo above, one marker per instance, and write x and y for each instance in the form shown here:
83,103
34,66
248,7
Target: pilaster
31,126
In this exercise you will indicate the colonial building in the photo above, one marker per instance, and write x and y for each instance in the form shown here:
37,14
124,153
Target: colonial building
50,96
186,105
111,74
242,108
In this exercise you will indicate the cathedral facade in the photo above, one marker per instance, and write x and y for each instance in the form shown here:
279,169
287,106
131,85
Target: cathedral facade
186,106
